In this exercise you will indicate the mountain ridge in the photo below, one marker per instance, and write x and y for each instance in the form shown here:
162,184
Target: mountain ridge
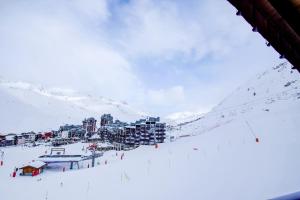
258,94
35,107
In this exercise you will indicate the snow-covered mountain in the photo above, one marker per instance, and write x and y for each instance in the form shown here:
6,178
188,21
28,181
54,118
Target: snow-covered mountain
182,117
26,107
262,95
222,160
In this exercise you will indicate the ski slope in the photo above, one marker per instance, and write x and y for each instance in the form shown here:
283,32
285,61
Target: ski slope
263,95
221,160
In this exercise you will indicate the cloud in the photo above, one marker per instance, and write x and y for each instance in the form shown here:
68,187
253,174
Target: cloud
166,97
92,9
54,48
167,29
155,28
160,56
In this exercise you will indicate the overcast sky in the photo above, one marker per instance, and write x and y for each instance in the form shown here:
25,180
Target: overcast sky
160,56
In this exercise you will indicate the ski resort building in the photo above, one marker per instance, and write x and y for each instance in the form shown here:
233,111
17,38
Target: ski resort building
10,139
106,119
47,135
29,137
71,131
33,168
76,133
151,132
129,136
143,132
89,125
20,139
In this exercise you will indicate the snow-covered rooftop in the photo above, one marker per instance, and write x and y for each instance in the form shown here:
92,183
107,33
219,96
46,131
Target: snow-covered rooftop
62,158
35,164
95,136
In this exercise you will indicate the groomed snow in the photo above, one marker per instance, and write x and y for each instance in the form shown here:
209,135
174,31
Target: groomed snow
224,163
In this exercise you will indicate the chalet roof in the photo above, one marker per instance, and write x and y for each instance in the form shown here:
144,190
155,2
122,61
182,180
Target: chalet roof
277,21
35,164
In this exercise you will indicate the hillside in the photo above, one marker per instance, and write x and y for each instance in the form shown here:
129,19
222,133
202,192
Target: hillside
261,95
221,160
26,107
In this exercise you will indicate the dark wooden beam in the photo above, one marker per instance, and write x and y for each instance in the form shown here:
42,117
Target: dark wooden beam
278,21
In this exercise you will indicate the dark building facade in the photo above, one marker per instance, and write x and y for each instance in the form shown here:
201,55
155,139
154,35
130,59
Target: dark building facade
144,132
106,119
89,125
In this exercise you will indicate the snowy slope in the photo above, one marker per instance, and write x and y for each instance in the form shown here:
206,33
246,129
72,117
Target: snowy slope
27,107
276,86
181,118
225,163
221,161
